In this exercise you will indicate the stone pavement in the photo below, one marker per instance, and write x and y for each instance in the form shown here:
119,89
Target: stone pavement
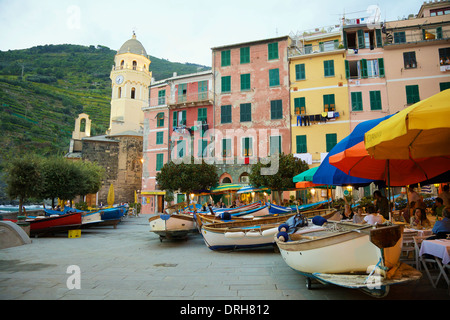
130,263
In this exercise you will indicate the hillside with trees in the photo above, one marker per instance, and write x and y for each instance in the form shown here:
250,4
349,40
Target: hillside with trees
44,88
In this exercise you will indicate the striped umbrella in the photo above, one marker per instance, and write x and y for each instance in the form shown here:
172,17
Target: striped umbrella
249,189
226,187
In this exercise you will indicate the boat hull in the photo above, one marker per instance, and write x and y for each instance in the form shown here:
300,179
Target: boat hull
55,223
173,226
349,252
91,218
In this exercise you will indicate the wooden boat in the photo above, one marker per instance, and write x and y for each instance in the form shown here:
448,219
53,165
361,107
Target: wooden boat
54,223
89,219
252,233
256,212
173,226
341,252
111,216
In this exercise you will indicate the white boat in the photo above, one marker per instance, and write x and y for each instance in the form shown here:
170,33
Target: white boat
342,253
173,226
242,234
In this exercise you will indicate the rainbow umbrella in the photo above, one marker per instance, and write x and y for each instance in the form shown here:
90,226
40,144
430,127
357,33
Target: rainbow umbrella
418,131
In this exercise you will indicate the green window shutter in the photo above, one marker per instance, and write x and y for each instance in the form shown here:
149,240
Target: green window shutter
181,145
226,58
276,109
247,147
161,97
439,33
246,112
321,47
301,144
175,119
159,137
344,39
225,114
182,92
245,55
412,94
331,140
347,69
159,161
336,44
424,34
299,105
245,81
328,103
273,50
275,145
300,72
444,86
226,148
375,100
160,120
379,38
226,84
361,42
274,77
381,67
328,67
364,73
202,145
202,114
356,101
202,90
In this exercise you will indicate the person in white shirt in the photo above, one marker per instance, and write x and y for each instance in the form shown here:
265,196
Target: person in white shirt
373,217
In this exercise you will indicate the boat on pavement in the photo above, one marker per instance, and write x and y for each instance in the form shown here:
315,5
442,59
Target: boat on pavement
240,234
344,253
173,226
54,223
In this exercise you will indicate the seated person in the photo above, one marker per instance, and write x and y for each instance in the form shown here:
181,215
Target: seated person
358,217
373,217
420,220
438,208
443,226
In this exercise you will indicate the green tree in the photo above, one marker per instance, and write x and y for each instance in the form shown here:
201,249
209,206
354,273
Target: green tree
61,179
187,178
288,168
91,177
23,178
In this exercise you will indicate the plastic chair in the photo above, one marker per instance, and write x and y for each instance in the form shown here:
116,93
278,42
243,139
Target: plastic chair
408,253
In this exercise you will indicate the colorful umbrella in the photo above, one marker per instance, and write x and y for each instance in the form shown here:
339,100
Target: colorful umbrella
329,174
226,187
249,189
419,131
305,175
357,162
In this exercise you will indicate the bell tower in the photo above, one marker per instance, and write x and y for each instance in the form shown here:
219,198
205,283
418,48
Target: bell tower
131,79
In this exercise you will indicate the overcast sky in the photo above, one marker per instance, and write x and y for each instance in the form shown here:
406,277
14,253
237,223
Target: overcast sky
177,30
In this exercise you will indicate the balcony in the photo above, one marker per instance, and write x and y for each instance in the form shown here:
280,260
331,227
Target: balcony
305,49
191,99
426,35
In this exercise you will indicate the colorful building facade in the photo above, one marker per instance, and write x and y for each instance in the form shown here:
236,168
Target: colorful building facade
251,109
417,55
318,94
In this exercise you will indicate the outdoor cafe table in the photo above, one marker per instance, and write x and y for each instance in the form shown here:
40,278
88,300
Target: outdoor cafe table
420,232
440,249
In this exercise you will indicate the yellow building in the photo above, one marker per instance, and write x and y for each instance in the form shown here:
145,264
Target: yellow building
318,94
131,79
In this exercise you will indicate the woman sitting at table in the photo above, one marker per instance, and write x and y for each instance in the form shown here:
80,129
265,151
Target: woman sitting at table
420,220
442,227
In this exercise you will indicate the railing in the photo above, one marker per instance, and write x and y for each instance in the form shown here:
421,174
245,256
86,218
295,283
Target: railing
134,68
195,98
327,46
415,34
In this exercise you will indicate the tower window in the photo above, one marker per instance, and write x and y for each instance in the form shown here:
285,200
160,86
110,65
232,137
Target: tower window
133,93
120,93
134,65
122,64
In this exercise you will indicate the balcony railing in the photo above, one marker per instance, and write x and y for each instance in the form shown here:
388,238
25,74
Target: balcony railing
415,34
301,49
185,99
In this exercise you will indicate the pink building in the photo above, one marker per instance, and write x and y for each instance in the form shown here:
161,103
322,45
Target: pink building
180,108
417,55
251,116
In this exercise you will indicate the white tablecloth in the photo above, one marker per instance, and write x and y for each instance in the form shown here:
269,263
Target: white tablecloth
438,248
420,232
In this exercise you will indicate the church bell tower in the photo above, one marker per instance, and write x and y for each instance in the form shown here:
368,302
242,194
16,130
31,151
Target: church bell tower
131,79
